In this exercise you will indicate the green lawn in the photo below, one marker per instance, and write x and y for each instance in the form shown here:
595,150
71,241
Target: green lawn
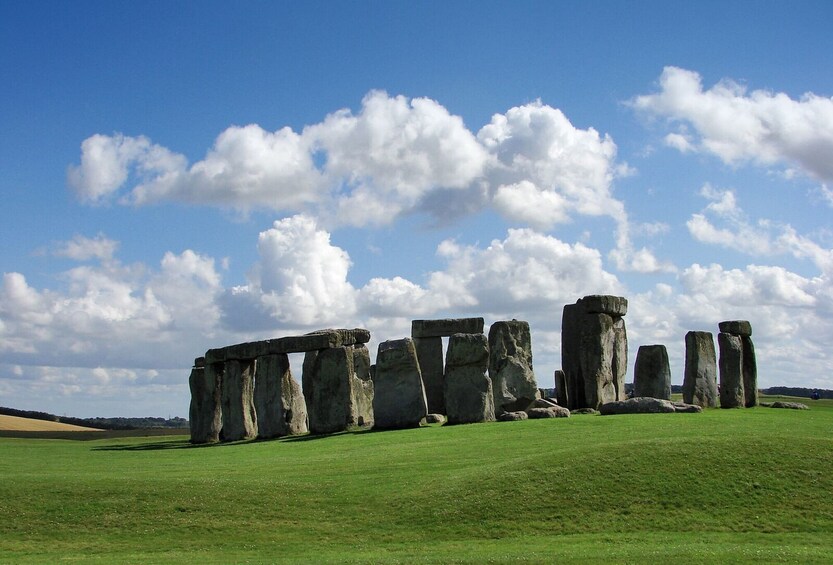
723,486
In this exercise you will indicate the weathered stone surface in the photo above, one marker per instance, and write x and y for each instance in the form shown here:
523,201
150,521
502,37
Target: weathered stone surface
587,411
551,412
700,380
750,373
788,405
605,304
239,417
542,403
512,416
570,358
399,395
510,366
652,372
685,408
468,390
596,357
279,401
619,366
736,327
731,371
446,327
435,419
321,339
205,414
363,388
199,362
327,383
561,391
431,364
637,405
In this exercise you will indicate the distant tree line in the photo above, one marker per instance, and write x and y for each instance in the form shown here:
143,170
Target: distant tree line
100,423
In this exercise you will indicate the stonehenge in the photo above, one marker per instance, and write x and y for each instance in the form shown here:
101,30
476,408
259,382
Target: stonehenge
247,390
652,373
594,351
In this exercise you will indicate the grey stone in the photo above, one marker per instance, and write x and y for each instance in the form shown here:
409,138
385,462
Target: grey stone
205,414
435,419
199,362
587,411
512,416
551,412
337,389
431,364
468,390
399,396
652,373
736,327
685,408
596,356
543,403
239,417
700,380
750,373
788,405
279,401
731,371
570,359
605,304
561,391
637,405
619,366
321,339
510,366
446,327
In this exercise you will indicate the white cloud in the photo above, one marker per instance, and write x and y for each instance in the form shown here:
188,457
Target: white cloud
82,248
526,203
735,125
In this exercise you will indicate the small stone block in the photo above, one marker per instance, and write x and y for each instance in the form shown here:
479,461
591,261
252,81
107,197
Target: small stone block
605,304
736,327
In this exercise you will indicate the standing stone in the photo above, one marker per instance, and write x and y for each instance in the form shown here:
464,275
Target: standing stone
652,373
239,417
596,359
205,414
750,372
468,390
620,355
731,371
570,360
279,402
399,395
362,388
700,381
510,366
561,394
429,352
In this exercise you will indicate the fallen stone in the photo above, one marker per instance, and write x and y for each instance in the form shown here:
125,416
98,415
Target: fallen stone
435,419
736,327
652,373
788,405
700,379
510,366
637,405
429,351
399,396
543,403
468,390
239,416
551,412
279,401
512,416
731,371
588,411
685,408
446,327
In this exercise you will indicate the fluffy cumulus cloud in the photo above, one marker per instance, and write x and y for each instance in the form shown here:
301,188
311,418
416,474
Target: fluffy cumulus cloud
726,120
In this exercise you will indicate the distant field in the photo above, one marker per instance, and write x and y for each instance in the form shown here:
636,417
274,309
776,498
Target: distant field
13,423
725,486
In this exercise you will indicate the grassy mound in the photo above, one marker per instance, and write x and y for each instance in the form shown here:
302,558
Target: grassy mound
722,486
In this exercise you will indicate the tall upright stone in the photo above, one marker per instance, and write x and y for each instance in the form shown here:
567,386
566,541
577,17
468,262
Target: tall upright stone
279,401
468,389
429,351
239,417
750,372
561,393
731,371
205,413
510,366
399,395
652,373
338,396
700,380
594,350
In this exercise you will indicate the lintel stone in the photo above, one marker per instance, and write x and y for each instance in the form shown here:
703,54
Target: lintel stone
605,304
736,327
322,339
446,327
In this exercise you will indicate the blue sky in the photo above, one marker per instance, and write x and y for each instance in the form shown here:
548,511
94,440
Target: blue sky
179,176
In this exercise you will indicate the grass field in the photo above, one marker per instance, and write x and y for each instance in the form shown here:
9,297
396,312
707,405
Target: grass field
16,424
723,486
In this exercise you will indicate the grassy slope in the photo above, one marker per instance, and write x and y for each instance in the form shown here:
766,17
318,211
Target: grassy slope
723,486
17,424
